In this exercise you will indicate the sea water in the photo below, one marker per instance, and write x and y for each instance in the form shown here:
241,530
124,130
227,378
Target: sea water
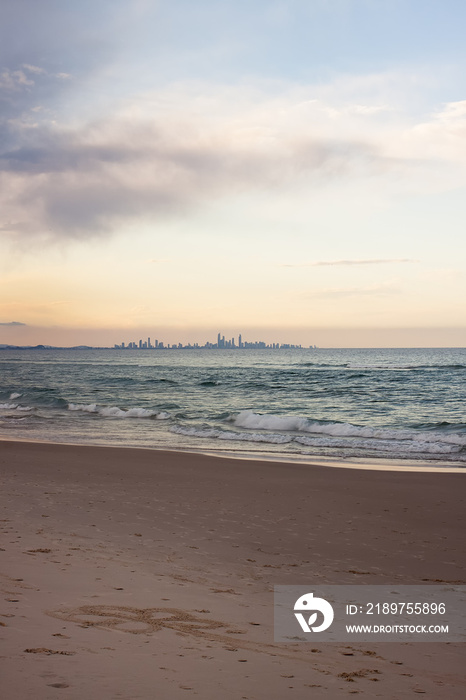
405,404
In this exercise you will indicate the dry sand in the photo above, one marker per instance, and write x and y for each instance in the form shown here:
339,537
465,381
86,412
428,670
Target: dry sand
149,574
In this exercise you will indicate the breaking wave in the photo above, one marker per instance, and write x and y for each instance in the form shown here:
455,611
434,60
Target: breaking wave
298,424
116,412
258,421
15,407
414,448
345,441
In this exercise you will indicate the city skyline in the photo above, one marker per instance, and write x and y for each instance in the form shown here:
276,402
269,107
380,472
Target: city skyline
195,338
221,344
289,169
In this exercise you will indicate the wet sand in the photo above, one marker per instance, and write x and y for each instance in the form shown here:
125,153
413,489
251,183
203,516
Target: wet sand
148,574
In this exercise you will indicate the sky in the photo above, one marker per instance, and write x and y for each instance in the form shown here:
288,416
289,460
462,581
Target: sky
292,170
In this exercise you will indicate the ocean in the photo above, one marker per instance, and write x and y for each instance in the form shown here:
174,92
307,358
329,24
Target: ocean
402,405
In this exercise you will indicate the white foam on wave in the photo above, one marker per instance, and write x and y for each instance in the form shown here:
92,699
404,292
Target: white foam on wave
14,407
389,446
385,446
257,421
116,412
15,395
90,408
230,435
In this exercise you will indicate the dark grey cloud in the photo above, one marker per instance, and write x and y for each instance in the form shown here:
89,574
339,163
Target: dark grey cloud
61,183
44,151
12,323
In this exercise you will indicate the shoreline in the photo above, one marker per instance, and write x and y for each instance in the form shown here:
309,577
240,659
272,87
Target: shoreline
98,540
370,464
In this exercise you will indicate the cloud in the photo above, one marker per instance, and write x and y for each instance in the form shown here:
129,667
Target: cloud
12,323
377,261
153,158
23,79
13,80
86,181
33,69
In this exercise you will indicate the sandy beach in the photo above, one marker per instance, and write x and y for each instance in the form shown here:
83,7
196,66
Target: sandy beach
148,574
